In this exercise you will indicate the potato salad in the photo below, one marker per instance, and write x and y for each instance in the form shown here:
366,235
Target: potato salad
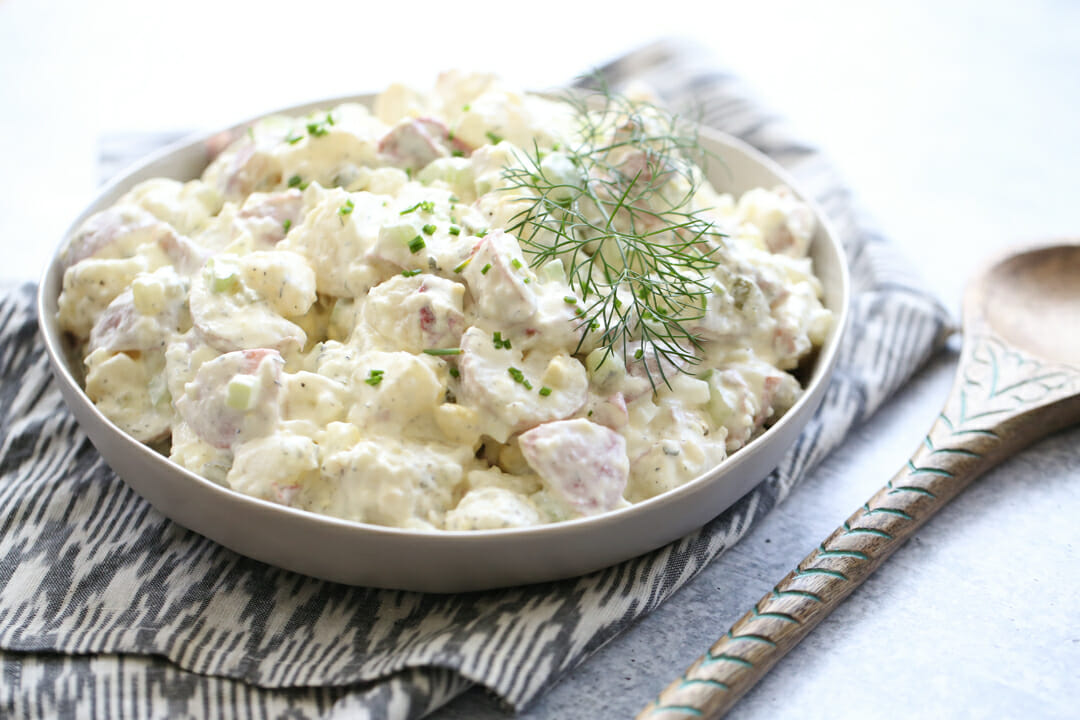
462,309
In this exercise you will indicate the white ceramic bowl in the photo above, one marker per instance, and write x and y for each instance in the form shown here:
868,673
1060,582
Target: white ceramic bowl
360,554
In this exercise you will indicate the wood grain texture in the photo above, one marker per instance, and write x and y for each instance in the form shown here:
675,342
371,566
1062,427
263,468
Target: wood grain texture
1014,384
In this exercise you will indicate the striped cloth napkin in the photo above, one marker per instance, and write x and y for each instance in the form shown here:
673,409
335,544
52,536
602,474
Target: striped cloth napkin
109,610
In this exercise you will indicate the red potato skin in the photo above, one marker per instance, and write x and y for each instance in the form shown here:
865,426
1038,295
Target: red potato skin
203,406
589,473
105,228
414,143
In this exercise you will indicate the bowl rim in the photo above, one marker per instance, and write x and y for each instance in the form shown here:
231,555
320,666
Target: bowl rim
821,374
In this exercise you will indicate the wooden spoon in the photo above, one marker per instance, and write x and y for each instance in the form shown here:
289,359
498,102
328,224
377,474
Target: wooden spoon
1017,382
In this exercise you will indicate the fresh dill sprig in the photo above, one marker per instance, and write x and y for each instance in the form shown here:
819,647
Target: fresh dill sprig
617,209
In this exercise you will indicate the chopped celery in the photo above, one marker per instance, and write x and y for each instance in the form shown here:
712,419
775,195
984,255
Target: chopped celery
241,392
553,271
223,276
604,366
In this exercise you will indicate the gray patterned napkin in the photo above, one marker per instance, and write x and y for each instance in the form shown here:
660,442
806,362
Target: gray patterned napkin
107,609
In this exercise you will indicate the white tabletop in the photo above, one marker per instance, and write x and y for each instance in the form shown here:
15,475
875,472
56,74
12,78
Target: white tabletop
954,122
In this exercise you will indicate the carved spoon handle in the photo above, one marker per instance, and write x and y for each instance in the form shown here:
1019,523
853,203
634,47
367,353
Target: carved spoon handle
741,657
1000,402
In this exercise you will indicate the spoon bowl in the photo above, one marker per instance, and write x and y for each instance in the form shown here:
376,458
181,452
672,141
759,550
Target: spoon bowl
1032,301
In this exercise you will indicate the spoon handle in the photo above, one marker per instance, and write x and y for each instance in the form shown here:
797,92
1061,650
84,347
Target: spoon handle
1001,402
742,656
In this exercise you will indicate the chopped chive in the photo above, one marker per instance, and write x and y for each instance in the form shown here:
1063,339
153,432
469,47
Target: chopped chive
443,351
493,137
286,225
374,377
316,129
411,273
500,343
428,229
454,199
482,233
463,265
519,378
455,230
516,263
423,206
454,372
329,119
457,153
465,107
484,270
417,244
293,139
570,299
544,391
638,353
347,208
295,181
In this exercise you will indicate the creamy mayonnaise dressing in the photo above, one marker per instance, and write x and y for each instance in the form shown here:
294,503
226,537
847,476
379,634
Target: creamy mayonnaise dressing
335,318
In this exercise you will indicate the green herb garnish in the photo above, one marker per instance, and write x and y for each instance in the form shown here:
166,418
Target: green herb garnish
417,244
619,214
374,377
426,206
519,378
443,351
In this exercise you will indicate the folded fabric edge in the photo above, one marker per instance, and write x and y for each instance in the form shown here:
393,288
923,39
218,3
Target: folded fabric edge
92,685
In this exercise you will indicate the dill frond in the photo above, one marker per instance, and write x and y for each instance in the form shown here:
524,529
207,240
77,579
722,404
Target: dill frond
617,208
